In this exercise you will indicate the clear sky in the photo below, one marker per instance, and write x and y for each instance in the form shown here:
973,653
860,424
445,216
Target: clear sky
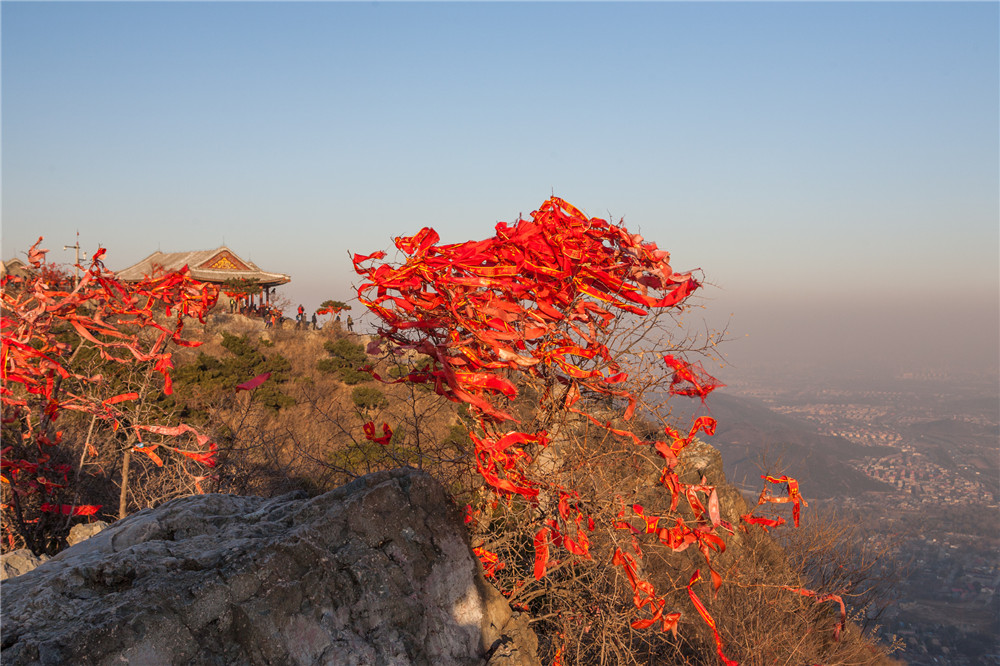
832,167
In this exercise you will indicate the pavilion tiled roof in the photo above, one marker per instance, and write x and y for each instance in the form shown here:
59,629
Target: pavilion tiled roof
15,267
217,266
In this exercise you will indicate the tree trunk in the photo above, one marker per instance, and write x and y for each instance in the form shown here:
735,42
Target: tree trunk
123,496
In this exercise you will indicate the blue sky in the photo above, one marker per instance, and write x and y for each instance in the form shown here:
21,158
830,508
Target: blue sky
834,160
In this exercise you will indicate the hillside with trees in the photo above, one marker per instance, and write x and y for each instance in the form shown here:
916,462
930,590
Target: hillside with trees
513,369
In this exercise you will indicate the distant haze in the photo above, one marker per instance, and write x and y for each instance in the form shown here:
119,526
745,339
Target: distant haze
864,336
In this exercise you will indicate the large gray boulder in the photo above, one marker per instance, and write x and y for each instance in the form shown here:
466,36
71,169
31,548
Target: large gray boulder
377,572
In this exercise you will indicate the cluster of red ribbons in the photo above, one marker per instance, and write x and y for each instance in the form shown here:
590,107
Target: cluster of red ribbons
535,298
644,595
105,314
566,530
792,495
538,298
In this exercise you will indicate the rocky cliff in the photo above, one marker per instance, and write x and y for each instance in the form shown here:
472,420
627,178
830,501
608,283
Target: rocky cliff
376,572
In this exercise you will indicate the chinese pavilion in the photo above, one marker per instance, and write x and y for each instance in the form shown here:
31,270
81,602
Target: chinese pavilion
220,266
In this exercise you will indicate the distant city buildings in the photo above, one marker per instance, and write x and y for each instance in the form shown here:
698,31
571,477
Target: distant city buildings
934,442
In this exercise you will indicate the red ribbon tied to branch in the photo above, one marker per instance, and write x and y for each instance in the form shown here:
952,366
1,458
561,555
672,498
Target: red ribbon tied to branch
793,495
708,619
386,437
71,510
251,384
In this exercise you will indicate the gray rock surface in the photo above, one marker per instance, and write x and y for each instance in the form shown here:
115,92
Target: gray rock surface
18,562
377,572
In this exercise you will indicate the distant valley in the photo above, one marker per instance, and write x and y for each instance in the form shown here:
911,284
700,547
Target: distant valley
913,456
755,440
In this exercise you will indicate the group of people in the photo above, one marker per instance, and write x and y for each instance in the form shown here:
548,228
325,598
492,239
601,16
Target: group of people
246,308
301,321
274,317
350,323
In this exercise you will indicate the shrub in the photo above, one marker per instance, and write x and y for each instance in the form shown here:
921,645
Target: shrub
368,399
345,358
209,376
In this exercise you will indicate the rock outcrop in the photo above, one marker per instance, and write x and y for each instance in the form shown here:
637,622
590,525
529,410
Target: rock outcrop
84,531
18,562
377,572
